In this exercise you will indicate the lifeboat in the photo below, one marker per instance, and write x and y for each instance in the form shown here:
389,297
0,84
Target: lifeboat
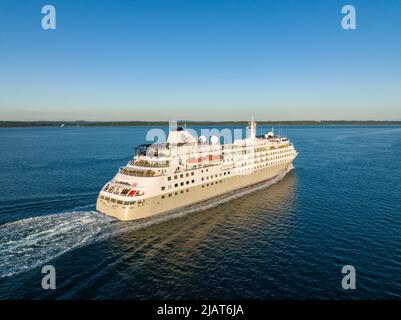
213,158
194,160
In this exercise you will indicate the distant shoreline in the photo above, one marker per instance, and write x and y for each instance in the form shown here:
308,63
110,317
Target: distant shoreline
35,124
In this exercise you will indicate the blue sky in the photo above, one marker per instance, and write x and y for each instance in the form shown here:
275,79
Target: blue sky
200,60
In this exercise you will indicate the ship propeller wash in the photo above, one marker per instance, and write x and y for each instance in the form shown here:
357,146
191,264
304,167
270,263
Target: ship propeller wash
186,170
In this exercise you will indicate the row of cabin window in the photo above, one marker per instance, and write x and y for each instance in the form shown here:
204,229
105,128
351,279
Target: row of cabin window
279,151
193,181
176,185
281,156
126,203
215,176
181,176
203,186
216,182
176,193
187,190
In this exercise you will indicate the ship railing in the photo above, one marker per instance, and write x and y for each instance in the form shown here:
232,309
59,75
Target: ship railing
140,173
148,164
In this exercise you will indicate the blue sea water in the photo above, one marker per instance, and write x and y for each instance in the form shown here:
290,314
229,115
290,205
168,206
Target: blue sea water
340,206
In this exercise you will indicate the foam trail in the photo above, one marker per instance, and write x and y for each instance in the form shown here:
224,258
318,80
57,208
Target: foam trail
88,207
29,243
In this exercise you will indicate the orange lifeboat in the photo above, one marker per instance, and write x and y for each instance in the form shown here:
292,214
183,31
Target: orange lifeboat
194,160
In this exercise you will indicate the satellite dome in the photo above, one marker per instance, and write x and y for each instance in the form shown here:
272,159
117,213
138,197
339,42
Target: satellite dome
239,142
214,140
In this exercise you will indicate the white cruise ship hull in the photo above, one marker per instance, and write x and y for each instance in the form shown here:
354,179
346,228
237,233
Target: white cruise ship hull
191,195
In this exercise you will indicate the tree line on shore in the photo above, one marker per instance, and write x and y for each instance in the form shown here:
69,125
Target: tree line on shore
20,124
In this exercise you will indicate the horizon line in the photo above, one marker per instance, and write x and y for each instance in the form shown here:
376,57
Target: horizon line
188,120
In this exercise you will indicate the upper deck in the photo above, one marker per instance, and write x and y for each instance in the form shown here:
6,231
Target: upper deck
176,155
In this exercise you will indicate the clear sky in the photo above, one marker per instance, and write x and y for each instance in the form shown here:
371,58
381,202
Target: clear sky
200,60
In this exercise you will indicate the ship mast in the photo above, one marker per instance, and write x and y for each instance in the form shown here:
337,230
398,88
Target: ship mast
252,129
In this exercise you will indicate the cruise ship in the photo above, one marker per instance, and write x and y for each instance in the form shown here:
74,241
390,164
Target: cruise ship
186,170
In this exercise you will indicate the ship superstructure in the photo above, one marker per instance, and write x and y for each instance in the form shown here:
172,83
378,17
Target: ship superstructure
186,170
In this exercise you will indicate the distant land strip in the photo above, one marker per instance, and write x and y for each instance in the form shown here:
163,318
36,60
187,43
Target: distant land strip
22,124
